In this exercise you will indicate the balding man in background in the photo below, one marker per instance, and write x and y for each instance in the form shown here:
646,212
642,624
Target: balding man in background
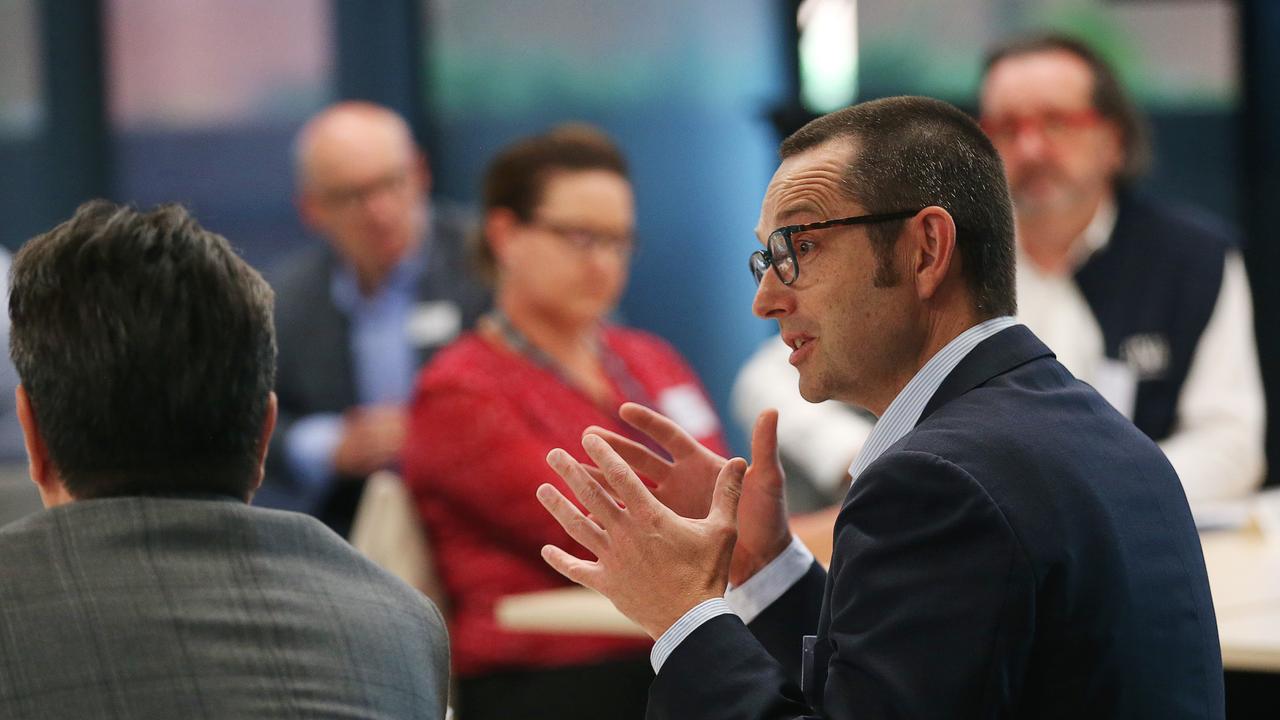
359,315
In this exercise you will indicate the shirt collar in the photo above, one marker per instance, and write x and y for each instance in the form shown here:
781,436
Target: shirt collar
1096,236
903,413
403,279
1097,233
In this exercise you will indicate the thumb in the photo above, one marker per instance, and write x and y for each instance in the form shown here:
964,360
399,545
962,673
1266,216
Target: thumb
764,438
766,467
724,499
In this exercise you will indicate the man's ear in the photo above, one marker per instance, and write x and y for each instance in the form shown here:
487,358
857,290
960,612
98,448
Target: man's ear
264,440
421,170
43,474
934,232
309,210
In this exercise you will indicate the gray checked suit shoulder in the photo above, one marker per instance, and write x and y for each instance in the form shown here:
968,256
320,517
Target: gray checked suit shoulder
207,608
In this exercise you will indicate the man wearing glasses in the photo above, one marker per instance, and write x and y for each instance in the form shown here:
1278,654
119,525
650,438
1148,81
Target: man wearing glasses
1011,545
1147,302
357,317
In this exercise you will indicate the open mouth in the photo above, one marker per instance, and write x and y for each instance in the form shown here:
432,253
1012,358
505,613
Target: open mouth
801,347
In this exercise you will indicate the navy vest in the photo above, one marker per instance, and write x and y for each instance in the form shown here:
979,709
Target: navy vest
1152,290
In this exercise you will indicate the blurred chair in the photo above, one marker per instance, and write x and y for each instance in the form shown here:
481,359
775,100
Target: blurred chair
388,530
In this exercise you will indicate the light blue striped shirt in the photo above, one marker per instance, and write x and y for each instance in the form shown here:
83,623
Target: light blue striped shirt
383,361
762,589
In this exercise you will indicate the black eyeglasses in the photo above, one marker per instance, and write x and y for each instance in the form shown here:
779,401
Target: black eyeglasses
781,254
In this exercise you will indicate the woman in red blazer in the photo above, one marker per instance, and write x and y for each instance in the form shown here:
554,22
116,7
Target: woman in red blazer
545,364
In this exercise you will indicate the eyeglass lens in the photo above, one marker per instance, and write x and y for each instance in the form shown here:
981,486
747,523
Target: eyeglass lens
783,260
759,265
778,253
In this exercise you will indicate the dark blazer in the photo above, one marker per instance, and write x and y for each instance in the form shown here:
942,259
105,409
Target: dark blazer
315,368
205,607
1024,551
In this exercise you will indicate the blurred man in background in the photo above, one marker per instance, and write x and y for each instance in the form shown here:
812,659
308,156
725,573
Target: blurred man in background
150,588
356,318
1146,301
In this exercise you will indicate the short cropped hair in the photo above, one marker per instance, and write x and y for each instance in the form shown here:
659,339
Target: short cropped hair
146,348
913,152
1109,97
517,177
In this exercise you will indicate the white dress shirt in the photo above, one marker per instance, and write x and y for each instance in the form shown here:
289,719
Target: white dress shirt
1218,445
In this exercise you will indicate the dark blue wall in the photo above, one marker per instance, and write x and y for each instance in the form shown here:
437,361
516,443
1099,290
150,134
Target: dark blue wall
684,88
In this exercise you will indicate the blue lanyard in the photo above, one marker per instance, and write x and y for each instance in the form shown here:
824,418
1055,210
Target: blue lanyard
614,367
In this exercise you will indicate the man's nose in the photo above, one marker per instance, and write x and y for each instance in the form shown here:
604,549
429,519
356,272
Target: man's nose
1029,142
380,204
773,299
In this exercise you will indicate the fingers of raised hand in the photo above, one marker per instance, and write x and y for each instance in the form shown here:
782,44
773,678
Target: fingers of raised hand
580,527
764,437
580,571
662,429
621,478
766,468
598,475
645,461
590,493
724,501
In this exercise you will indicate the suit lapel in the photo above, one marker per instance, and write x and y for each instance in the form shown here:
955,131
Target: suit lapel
994,356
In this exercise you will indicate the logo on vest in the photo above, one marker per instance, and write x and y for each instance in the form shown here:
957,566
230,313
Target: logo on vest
1147,354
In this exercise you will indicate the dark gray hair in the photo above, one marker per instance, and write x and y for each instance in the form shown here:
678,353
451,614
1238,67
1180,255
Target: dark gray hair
913,152
147,349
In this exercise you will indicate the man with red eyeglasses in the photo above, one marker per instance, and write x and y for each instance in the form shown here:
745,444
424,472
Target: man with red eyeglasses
1147,302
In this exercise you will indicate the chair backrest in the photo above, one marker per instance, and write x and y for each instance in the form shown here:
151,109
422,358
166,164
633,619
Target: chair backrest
389,531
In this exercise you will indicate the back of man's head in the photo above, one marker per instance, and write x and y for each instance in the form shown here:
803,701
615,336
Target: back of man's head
146,350
913,152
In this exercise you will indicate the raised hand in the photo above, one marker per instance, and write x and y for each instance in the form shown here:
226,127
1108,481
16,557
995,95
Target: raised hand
763,531
653,564
683,483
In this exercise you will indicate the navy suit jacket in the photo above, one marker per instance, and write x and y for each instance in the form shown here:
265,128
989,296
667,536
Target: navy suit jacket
1024,551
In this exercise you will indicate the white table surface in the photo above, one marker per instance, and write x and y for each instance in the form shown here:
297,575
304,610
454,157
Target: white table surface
1244,576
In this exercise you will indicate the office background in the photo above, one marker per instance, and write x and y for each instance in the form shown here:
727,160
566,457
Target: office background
197,101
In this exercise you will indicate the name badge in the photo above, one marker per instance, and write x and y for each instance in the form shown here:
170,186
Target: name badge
433,323
687,408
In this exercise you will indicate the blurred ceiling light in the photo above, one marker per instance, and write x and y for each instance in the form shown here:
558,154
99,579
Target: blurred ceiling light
828,53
